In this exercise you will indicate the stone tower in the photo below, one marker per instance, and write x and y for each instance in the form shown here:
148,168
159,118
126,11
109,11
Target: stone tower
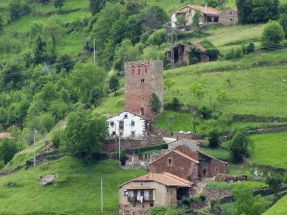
142,78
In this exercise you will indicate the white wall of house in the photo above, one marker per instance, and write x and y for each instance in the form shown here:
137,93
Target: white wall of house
127,124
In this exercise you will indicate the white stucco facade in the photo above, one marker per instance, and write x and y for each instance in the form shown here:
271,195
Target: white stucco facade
127,124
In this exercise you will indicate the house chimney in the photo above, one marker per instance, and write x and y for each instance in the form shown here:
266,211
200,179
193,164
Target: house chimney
205,8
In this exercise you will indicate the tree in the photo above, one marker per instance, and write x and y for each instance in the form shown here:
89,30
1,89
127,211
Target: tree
155,103
221,96
59,4
39,50
198,90
273,34
85,77
157,38
245,202
196,19
114,84
53,30
8,149
154,17
1,25
283,22
274,182
85,134
64,62
96,5
240,145
171,120
213,138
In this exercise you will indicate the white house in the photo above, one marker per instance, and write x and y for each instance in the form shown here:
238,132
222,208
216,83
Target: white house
127,124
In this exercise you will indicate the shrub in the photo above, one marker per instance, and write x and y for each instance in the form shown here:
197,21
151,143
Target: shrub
56,139
250,48
205,112
186,201
213,139
202,197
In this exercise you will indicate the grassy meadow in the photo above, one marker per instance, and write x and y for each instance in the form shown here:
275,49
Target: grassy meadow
279,208
77,190
270,149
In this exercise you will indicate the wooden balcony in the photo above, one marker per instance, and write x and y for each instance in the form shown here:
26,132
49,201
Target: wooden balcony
140,199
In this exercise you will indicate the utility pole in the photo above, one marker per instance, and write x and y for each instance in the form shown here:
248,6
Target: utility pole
102,199
120,148
94,50
172,46
34,132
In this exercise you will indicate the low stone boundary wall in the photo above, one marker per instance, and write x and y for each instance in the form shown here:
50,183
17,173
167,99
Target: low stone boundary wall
112,145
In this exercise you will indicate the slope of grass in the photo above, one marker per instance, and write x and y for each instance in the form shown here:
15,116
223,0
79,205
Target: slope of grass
270,149
280,208
77,190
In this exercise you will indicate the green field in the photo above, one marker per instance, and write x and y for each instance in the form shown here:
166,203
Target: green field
270,149
280,208
77,190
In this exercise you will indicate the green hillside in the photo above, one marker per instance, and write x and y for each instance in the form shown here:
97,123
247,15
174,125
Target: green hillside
77,191
54,63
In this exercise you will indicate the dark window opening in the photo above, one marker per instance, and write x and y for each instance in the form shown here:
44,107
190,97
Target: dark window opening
151,205
112,124
230,19
142,112
121,124
169,162
121,133
133,123
113,134
126,116
204,172
133,133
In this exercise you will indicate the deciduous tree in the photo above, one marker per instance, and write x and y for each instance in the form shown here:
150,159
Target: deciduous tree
114,84
245,202
59,4
272,34
85,134
157,38
240,145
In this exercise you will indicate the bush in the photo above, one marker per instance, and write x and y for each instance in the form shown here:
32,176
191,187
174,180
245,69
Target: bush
56,139
205,112
202,197
186,201
250,48
213,139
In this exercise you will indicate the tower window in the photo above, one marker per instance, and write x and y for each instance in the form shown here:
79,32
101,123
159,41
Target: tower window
169,162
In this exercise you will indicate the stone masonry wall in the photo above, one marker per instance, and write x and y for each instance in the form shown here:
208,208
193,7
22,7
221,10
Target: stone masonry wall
228,17
179,166
142,78
112,145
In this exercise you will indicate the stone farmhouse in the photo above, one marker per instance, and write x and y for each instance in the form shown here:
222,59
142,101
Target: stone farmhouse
184,159
141,194
210,15
126,124
142,79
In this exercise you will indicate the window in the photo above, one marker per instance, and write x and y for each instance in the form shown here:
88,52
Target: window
142,80
121,124
126,193
133,133
133,123
134,204
169,162
151,205
112,124
113,134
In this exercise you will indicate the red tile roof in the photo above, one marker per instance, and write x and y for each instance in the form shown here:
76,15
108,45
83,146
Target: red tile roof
178,152
165,178
209,10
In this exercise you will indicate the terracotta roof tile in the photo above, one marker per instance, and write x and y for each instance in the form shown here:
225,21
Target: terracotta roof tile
165,178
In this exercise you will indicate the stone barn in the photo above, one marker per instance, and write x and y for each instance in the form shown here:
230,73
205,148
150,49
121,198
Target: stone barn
142,79
229,16
184,159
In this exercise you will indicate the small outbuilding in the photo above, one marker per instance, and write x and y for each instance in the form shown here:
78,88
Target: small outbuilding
229,16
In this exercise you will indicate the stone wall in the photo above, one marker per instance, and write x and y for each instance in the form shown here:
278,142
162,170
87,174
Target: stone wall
228,17
216,193
112,145
142,78
175,164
